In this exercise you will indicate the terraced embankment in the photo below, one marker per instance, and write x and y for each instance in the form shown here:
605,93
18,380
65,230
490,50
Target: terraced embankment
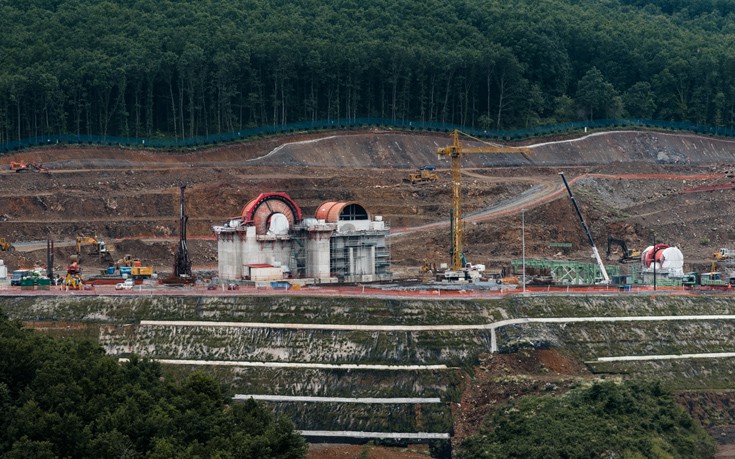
390,348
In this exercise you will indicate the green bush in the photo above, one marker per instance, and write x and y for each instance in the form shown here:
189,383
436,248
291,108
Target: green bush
606,419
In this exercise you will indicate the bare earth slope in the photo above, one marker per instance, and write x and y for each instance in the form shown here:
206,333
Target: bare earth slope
630,185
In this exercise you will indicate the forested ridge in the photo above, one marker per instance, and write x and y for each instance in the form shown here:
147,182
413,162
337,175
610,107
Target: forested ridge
197,67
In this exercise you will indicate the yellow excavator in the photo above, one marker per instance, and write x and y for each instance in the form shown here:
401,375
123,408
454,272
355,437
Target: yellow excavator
455,151
100,248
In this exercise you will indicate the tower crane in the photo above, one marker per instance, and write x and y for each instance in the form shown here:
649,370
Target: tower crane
455,152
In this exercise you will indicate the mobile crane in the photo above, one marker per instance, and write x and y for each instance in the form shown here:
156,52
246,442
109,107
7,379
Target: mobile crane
455,151
595,253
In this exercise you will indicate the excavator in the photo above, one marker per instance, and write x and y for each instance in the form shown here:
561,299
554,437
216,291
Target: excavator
455,151
99,246
628,256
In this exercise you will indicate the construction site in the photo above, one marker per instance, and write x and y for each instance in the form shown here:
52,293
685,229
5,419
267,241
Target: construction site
466,211
292,265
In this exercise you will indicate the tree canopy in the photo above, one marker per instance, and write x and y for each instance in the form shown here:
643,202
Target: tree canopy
183,68
607,419
65,398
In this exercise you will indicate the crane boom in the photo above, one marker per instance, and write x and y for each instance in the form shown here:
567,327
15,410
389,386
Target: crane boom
587,231
455,152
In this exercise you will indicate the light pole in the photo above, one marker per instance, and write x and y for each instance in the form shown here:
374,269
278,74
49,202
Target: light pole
523,242
655,249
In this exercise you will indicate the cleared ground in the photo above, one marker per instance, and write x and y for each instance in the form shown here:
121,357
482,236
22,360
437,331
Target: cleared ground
630,186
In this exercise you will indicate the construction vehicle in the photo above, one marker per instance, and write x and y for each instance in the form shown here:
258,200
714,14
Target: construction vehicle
425,174
73,279
455,151
100,248
595,252
181,273
138,271
713,280
628,256
723,254
21,166
5,245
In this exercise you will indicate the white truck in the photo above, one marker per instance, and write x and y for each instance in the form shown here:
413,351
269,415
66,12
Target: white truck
126,285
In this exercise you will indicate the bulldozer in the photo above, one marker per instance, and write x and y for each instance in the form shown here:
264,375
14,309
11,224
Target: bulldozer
424,174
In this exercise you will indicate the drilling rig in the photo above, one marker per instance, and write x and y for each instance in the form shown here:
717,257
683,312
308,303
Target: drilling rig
182,263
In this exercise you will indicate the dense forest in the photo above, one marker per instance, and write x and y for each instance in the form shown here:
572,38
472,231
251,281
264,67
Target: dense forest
183,68
66,398
606,419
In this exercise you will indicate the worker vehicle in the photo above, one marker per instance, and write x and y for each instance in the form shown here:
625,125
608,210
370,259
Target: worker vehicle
424,174
128,284
628,256
710,280
5,245
18,275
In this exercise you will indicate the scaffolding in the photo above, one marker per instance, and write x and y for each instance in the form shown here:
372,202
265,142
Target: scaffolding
359,256
568,272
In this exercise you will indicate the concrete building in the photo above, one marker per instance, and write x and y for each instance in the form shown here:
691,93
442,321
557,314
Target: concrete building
270,240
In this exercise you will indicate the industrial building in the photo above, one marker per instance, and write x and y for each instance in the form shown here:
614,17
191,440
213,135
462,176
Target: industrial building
271,240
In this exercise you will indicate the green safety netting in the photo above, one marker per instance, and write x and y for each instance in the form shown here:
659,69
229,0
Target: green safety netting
507,135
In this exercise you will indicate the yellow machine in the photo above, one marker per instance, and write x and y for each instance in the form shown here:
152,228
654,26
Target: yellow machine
425,174
722,254
127,260
134,267
5,245
73,279
455,152
100,248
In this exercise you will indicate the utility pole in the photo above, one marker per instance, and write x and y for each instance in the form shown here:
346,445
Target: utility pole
523,238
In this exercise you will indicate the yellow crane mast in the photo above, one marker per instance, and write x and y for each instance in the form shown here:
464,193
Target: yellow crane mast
455,152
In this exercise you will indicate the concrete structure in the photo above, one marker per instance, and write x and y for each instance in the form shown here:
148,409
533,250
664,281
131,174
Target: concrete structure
342,243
